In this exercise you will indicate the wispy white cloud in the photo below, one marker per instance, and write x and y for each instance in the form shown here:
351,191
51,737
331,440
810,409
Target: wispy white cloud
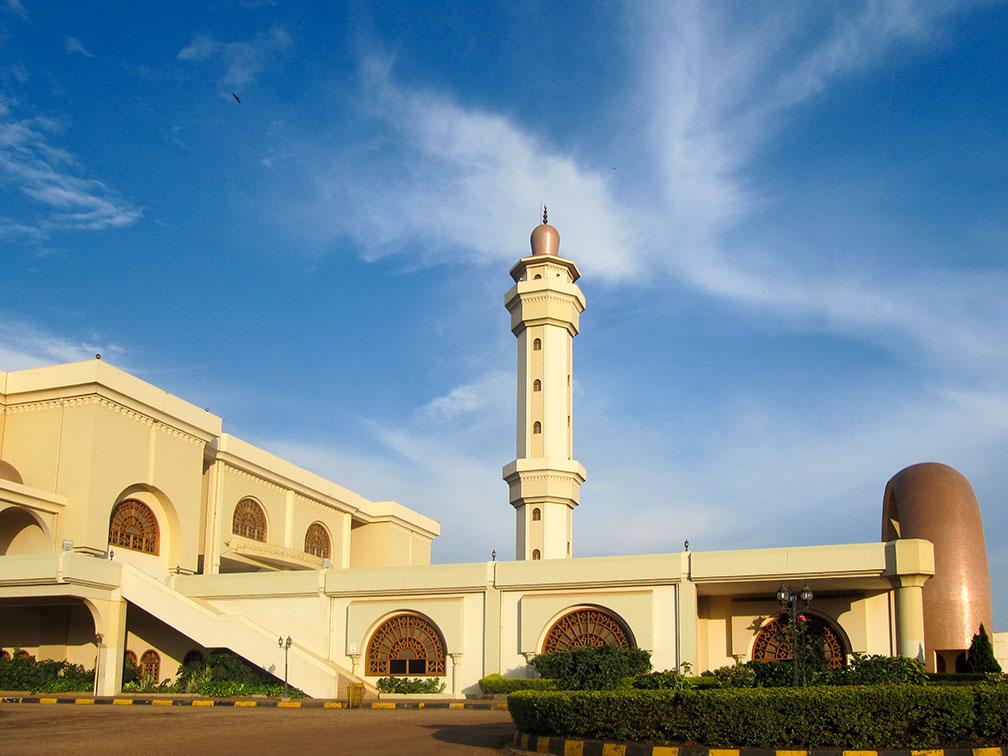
461,178
74,45
493,390
24,345
52,177
242,62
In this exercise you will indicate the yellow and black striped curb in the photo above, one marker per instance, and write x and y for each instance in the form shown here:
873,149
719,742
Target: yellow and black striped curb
260,704
574,747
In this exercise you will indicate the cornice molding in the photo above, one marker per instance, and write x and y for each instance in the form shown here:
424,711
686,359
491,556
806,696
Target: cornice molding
106,403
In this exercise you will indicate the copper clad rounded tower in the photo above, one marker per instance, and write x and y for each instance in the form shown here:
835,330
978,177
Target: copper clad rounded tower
935,502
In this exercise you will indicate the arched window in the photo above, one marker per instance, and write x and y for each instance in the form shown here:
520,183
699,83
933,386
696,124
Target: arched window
774,641
537,345
133,526
193,659
587,627
129,659
536,554
537,385
537,277
316,541
4,655
536,514
249,520
22,654
406,644
150,665
537,427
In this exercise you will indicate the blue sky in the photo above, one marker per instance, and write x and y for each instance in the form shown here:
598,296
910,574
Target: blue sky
790,220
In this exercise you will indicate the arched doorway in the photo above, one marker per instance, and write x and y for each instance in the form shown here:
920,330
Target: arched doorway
773,643
406,644
587,627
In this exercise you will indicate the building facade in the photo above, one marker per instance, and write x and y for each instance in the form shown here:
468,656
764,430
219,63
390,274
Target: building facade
132,527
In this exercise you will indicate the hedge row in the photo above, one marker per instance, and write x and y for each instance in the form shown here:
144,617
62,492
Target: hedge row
498,684
848,717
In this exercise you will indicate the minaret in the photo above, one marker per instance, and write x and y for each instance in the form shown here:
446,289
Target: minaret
544,479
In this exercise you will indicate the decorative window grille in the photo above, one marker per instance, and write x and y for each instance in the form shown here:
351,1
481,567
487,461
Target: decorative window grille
316,541
134,526
150,665
586,627
249,520
406,644
774,641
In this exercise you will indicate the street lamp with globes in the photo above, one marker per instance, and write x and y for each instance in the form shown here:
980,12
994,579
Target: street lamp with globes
789,603
285,645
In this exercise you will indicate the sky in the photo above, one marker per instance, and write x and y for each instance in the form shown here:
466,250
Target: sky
790,219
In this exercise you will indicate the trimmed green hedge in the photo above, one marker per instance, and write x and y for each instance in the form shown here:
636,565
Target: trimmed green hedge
847,717
498,684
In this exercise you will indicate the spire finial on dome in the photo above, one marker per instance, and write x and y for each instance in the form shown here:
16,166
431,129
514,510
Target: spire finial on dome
545,221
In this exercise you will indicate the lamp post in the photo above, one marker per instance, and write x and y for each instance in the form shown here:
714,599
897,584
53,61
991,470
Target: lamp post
285,645
789,604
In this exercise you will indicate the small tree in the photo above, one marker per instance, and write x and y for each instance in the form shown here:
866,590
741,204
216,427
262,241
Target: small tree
980,657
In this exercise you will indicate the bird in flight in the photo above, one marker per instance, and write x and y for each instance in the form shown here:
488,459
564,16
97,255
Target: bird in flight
236,97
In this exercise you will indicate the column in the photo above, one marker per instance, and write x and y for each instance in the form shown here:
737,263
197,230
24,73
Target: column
456,673
909,601
110,637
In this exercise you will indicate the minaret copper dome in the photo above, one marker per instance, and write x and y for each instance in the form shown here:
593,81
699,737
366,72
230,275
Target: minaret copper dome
545,239
935,502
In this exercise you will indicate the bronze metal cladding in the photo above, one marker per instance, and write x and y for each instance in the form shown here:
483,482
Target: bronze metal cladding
935,502
545,240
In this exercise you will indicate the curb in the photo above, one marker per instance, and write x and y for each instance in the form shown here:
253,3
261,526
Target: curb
524,742
258,704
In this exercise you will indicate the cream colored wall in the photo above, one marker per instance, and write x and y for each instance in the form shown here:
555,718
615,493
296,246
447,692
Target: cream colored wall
236,485
1000,643
94,435
31,442
382,544
60,632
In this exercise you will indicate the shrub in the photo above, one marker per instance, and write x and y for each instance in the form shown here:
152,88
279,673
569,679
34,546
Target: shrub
148,684
226,674
499,684
669,679
47,675
980,657
736,676
403,685
871,669
771,674
850,717
591,668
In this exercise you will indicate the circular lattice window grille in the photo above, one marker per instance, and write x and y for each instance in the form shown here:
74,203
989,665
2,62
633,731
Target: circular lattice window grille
249,520
586,627
133,526
406,644
774,641
316,541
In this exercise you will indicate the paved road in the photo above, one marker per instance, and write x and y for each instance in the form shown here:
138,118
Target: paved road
68,729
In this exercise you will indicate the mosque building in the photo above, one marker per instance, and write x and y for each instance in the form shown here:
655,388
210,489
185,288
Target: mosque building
133,528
